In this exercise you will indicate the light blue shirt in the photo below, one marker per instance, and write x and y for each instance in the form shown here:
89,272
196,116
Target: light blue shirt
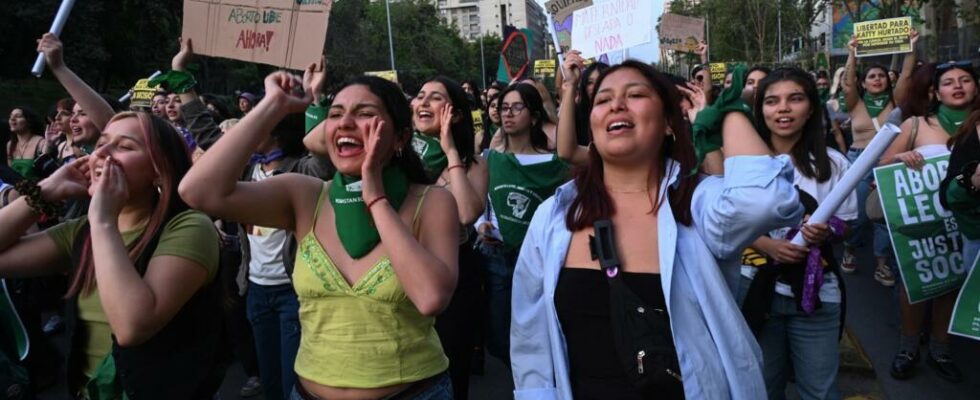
718,355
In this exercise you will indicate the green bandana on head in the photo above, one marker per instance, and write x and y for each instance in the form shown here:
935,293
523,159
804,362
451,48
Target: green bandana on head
430,151
951,119
707,125
314,116
355,227
875,103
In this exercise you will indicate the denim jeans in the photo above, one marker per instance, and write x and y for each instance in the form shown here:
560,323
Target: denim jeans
441,389
859,229
273,312
499,263
810,343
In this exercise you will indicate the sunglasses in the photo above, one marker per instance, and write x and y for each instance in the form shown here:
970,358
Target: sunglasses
954,64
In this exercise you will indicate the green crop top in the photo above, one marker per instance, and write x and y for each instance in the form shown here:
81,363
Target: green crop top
368,335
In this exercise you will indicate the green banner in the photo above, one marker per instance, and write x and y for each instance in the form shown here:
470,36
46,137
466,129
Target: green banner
924,235
966,313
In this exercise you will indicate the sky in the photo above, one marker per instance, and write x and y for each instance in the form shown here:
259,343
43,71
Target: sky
648,52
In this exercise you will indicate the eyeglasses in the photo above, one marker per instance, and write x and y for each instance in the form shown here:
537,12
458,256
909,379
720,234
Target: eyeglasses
517,108
699,78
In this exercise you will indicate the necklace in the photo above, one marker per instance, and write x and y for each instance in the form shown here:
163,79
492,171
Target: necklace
22,149
627,191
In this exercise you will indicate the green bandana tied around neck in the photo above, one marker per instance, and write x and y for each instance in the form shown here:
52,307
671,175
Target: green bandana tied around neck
875,103
314,115
841,102
824,95
175,81
951,119
429,149
707,125
351,215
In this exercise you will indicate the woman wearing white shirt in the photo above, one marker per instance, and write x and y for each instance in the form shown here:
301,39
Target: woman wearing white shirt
669,224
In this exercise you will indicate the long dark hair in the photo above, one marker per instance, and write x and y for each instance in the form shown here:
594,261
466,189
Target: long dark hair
583,108
171,161
916,103
593,203
535,106
35,125
864,75
810,151
398,108
938,73
463,133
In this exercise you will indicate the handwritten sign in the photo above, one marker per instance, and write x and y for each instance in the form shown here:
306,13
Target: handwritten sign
562,19
681,33
284,33
611,26
143,93
386,75
883,36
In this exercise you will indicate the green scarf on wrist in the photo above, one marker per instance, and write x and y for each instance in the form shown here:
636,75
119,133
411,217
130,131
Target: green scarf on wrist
314,115
355,227
875,103
951,119
706,126
430,151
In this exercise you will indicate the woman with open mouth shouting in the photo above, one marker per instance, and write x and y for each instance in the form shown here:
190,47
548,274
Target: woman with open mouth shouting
375,264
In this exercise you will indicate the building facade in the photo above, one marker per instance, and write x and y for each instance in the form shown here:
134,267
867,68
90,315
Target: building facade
474,18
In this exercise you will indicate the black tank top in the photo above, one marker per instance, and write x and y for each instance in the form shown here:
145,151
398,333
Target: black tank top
582,303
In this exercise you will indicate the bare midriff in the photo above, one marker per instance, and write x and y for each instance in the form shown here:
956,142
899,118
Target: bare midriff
335,393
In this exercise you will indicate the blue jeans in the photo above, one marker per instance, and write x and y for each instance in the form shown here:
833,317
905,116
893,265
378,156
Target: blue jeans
273,312
860,227
808,342
499,263
441,389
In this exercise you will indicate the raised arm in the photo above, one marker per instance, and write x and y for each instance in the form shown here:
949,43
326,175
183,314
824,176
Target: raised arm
37,254
468,184
706,85
196,116
851,95
568,147
902,86
212,183
97,109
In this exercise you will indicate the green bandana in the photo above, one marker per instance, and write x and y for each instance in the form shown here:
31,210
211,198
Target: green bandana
429,149
314,115
103,385
951,119
707,125
824,95
841,102
875,103
517,190
351,215
175,81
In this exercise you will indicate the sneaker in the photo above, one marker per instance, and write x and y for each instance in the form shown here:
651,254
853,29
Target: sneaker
252,387
903,365
883,274
946,368
849,262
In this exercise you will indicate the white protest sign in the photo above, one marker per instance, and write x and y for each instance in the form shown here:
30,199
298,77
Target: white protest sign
611,26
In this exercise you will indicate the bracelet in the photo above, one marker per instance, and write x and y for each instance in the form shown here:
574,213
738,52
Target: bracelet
32,195
455,166
377,199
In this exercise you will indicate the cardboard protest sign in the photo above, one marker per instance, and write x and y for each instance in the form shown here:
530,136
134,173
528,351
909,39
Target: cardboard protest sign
611,26
143,93
681,33
387,75
924,235
718,71
562,19
883,36
515,55
477,122
544,67
966,313
284,33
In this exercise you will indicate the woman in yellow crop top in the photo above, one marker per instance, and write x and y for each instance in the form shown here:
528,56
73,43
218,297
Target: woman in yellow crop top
375,261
